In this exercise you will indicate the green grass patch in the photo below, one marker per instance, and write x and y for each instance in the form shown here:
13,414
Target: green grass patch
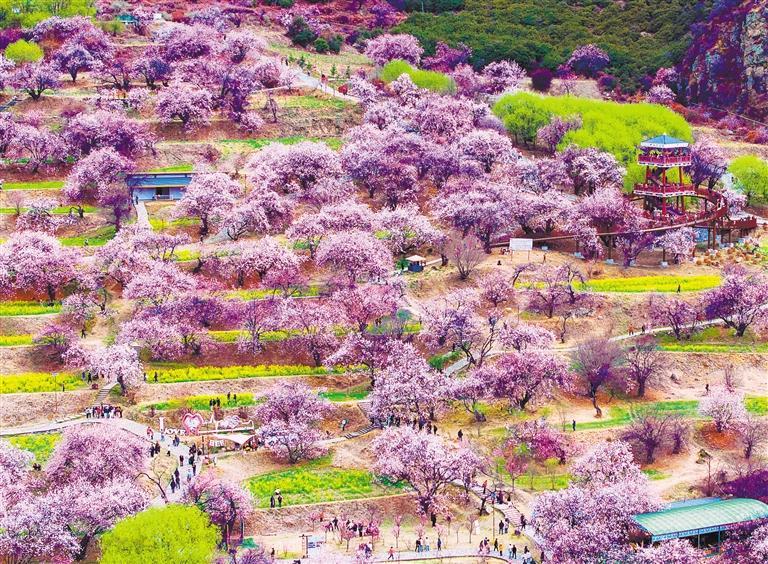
181,167
43,185
15,340
757,405
39,444
654,283
171,372
317,483
10,309
159,224
309,102
440,361
430,80
356,393
334,143
713,339
654,474
60,210
183,255
201,402
309,291
31,382
620,416
94,238
714,348
231,336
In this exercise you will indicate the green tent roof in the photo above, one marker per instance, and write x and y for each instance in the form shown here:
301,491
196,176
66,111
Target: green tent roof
706,517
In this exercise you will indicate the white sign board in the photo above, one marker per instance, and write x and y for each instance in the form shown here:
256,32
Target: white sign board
521,244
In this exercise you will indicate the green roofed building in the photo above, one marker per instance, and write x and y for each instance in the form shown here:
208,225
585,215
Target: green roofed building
699,517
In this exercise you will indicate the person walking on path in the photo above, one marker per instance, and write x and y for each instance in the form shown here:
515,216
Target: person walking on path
391,553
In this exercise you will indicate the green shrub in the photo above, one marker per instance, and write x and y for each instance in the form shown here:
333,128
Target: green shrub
10,309
609,126
430,80
335,43
32,382
321,45
198,373
23,51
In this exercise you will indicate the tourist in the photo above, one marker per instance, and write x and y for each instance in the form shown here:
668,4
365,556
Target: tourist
418,545
280,501
573,425
439,544
460,434
272,501
513,552
391,553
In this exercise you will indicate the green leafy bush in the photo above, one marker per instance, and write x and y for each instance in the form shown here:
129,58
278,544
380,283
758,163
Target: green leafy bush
335,43
32,382
430,80
321,45
23,51
198,373
609,126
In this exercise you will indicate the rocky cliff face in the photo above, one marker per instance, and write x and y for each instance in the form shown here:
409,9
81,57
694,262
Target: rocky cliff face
727,63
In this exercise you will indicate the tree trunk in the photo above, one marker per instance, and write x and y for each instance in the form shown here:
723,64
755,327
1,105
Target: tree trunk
641,387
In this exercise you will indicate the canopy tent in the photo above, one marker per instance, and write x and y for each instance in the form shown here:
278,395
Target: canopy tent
700,517
664,142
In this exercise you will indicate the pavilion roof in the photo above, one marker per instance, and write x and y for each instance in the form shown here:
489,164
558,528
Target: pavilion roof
700,518
664,142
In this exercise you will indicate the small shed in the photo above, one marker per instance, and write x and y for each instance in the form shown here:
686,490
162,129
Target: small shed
416,263
700,517
158,185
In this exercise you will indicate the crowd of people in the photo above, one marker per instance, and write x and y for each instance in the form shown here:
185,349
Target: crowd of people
103,411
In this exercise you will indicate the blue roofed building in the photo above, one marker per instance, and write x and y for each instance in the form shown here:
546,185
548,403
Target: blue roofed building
148,186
